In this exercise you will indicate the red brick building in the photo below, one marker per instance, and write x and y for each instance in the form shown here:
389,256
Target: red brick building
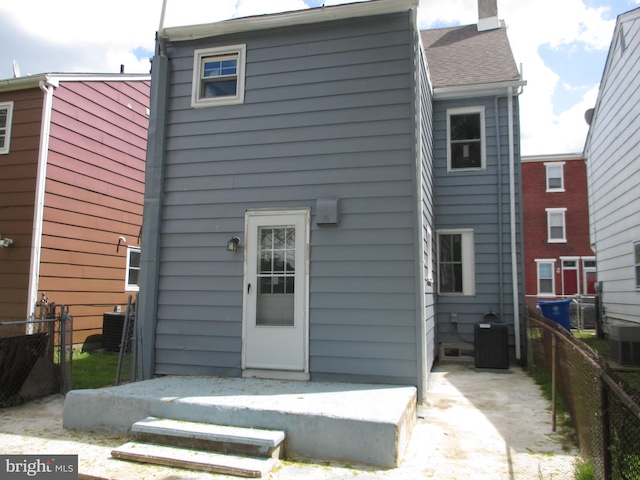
559,261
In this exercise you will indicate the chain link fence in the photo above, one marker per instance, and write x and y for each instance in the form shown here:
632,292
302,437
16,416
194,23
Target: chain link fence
604,409
582,312
35,356
126,370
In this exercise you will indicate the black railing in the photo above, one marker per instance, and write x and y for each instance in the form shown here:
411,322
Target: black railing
35,357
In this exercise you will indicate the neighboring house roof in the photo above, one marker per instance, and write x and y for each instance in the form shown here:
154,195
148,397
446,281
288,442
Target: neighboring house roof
32,81
462,56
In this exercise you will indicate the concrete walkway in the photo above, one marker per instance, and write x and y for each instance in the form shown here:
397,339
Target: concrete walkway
477,426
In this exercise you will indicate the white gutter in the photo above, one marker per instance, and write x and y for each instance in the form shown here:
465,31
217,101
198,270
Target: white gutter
480,89
38,214
297,17
512,215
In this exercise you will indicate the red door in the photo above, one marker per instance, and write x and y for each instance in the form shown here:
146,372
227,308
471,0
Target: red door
569,278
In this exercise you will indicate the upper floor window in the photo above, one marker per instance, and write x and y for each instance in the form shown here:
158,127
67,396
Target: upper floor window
456,262
465,139
218,76
133,269
555,176
556,230
6,114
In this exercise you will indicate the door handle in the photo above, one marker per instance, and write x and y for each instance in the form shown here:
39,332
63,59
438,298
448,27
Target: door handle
248,288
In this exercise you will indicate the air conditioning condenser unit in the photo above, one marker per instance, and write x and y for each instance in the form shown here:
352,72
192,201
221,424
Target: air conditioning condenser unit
624,344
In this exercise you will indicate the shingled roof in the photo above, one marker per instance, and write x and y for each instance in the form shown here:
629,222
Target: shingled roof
463,56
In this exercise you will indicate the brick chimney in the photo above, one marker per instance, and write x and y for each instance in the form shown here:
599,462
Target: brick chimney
488,15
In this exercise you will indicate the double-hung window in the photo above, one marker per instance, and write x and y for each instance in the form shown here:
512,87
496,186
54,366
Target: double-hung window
546,283
465,139
218,76
556,231
555,176
456,262
6,114
133,269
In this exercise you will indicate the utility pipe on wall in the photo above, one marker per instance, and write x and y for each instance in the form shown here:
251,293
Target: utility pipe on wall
36,236
512,216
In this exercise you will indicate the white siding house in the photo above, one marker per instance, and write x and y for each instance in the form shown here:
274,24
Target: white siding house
613,170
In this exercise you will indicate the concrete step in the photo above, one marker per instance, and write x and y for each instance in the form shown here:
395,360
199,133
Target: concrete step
248,442
195,459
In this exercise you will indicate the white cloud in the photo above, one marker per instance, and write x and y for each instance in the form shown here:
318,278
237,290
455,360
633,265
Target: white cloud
77,35
553,23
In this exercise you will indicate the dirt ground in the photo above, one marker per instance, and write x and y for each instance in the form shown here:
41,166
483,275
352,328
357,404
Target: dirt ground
476,426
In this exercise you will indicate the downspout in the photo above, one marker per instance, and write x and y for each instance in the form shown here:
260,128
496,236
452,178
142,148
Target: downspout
147,307
500,227
38,211
161,47
512,215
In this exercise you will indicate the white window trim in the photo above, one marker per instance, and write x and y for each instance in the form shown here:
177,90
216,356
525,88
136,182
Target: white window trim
429,256
555,164
552,211
483,145
636,264
468,261
128,287
7,134
551,261
199,55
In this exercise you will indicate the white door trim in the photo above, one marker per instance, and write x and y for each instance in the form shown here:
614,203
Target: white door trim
304,295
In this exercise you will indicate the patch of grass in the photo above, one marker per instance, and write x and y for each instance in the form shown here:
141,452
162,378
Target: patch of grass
631,375
584,470
600,345
543,379
94,369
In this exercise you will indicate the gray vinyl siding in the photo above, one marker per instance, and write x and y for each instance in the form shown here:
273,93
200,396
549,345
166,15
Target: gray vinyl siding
428,220
611,152
470,200
327,112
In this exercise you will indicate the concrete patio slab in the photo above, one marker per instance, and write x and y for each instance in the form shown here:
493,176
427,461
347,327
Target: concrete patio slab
369,424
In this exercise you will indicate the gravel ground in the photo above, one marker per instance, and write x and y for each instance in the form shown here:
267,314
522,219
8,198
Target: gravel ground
476,426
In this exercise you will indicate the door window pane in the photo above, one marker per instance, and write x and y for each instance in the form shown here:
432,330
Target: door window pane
276,276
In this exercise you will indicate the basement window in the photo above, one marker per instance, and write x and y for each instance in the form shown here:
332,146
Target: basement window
218,76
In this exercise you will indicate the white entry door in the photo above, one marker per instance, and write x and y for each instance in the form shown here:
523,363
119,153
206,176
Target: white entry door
275,291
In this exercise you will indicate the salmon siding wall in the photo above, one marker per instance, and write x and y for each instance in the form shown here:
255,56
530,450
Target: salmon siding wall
17,186
94,195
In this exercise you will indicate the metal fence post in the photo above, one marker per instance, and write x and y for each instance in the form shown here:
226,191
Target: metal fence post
553,382
606,429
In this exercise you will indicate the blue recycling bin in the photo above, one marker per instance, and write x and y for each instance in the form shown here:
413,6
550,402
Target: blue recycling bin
558,311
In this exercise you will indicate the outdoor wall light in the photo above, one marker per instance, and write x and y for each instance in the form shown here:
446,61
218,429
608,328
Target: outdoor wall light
5,242
232,245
